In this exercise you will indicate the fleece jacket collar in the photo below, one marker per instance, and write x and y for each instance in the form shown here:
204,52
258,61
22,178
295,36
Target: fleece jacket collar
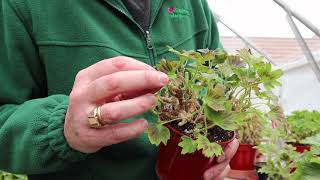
118,5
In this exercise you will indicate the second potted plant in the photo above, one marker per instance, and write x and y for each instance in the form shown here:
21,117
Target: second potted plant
250,134
283,162
303,124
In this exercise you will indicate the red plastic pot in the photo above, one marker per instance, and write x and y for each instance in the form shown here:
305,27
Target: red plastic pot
172,165
244,158
302,147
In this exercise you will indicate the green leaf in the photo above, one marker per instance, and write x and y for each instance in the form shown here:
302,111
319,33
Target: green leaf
313,140
188,145
172,75
202,141
209,76
214,116
277,73
212,149
220,57
315,160
215,104
209,149
225,69
232,121
218,91
309,171
197,88
158,133
304,124
208,56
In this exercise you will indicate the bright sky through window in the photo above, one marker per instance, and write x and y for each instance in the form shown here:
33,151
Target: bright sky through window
264,17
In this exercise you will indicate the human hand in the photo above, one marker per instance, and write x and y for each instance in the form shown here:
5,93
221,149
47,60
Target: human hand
123,88
220,170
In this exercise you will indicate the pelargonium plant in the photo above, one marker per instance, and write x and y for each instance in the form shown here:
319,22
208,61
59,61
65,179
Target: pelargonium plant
210,95
283,162
303,124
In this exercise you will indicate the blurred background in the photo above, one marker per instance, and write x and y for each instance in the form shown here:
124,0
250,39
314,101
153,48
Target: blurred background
264,25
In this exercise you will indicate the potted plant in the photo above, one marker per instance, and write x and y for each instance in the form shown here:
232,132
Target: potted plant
209,95
283,162
280,161
250,135
309,167
303,124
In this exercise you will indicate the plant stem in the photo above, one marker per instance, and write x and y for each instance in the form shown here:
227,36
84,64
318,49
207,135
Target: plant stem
206,126
257,104
252,98
210,64
236,95
169,121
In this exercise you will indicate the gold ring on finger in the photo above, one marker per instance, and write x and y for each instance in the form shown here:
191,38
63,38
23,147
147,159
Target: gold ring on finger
94,117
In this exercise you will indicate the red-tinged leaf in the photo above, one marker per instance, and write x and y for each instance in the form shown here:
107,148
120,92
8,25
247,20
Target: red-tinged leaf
209,149
158,133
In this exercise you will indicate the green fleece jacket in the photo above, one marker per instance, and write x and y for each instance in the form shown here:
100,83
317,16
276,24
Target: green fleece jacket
43,44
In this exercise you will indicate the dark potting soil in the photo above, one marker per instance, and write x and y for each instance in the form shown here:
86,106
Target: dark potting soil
215,134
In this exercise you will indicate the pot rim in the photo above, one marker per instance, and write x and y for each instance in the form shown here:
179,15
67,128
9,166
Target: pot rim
182,134
245,144
298,144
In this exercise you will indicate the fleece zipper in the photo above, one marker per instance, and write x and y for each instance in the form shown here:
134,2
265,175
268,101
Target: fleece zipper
146,34
150,47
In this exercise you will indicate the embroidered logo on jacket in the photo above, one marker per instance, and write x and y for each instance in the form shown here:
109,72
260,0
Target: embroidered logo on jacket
175,12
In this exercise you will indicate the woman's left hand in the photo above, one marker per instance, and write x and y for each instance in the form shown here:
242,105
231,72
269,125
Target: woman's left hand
221,169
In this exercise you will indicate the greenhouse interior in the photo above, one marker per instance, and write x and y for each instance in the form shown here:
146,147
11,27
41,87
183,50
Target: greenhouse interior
249,109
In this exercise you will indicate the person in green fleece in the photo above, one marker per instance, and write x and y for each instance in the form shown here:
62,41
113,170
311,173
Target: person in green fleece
60,60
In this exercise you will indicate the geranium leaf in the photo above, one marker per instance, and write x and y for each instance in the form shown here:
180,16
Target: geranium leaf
202,141
188,145
218,91
217,106
209,149
225,69
309,171
212,149
214,116
158,133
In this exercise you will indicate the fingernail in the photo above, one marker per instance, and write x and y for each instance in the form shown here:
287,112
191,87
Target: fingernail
145,123
151,98
163,78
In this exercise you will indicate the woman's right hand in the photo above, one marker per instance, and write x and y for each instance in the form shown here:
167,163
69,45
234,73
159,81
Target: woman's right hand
124,88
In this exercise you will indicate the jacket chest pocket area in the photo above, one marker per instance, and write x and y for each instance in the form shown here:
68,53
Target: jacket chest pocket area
179,28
